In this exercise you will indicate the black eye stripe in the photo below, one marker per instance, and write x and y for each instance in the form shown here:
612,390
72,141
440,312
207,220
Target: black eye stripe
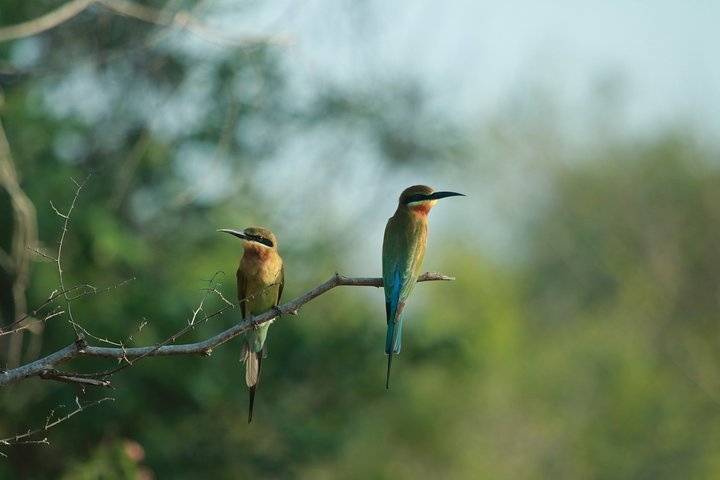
418,197
260,239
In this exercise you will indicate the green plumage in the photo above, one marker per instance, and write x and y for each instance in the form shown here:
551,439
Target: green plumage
403,253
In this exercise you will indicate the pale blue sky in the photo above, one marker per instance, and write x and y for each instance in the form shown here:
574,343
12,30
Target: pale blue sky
663,54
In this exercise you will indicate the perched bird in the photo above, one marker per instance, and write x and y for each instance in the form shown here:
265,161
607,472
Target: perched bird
260,279
403,252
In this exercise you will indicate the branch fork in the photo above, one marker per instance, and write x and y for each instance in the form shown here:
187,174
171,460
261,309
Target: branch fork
45,367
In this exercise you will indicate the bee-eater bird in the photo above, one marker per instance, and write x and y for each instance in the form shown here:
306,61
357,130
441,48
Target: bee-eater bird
403,252
260,279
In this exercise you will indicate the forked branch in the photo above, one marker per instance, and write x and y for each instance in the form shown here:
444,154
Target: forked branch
45,367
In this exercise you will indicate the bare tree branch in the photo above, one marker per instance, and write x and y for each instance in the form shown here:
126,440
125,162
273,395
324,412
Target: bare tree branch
24,235
186,20
45,367
181,19
50,20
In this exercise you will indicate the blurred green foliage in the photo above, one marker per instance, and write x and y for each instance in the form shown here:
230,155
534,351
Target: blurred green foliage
592,356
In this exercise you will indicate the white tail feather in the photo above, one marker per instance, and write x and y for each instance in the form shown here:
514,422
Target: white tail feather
252,366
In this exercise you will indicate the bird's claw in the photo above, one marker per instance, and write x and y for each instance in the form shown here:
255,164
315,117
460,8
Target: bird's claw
253,322
277,311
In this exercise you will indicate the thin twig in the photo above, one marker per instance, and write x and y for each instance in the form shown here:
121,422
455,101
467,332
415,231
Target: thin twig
208,291
43,254
75,378
49,423
29,325
89,289
58,258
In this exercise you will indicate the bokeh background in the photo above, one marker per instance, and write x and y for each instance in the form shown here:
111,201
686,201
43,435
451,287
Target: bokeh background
580,339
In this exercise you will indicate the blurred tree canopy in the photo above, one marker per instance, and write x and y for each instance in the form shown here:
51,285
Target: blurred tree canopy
593,355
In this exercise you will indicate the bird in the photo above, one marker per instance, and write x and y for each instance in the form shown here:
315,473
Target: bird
260,281
403,251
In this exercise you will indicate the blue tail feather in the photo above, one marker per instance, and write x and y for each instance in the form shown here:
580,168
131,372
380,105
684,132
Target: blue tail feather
393,340
392,304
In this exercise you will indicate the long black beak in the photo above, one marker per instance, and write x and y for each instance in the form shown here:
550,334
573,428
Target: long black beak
234,232
439,195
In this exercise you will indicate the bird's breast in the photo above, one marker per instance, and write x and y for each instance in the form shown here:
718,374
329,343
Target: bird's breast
259,272
262,277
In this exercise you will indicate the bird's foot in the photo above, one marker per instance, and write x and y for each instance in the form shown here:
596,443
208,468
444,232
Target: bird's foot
253,322
277,311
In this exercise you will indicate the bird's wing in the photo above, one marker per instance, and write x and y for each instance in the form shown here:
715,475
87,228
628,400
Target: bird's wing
281,281
241,291
391,279
402,260
391,302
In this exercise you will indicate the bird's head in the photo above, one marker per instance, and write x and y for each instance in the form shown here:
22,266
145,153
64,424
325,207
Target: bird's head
421,198
254,238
